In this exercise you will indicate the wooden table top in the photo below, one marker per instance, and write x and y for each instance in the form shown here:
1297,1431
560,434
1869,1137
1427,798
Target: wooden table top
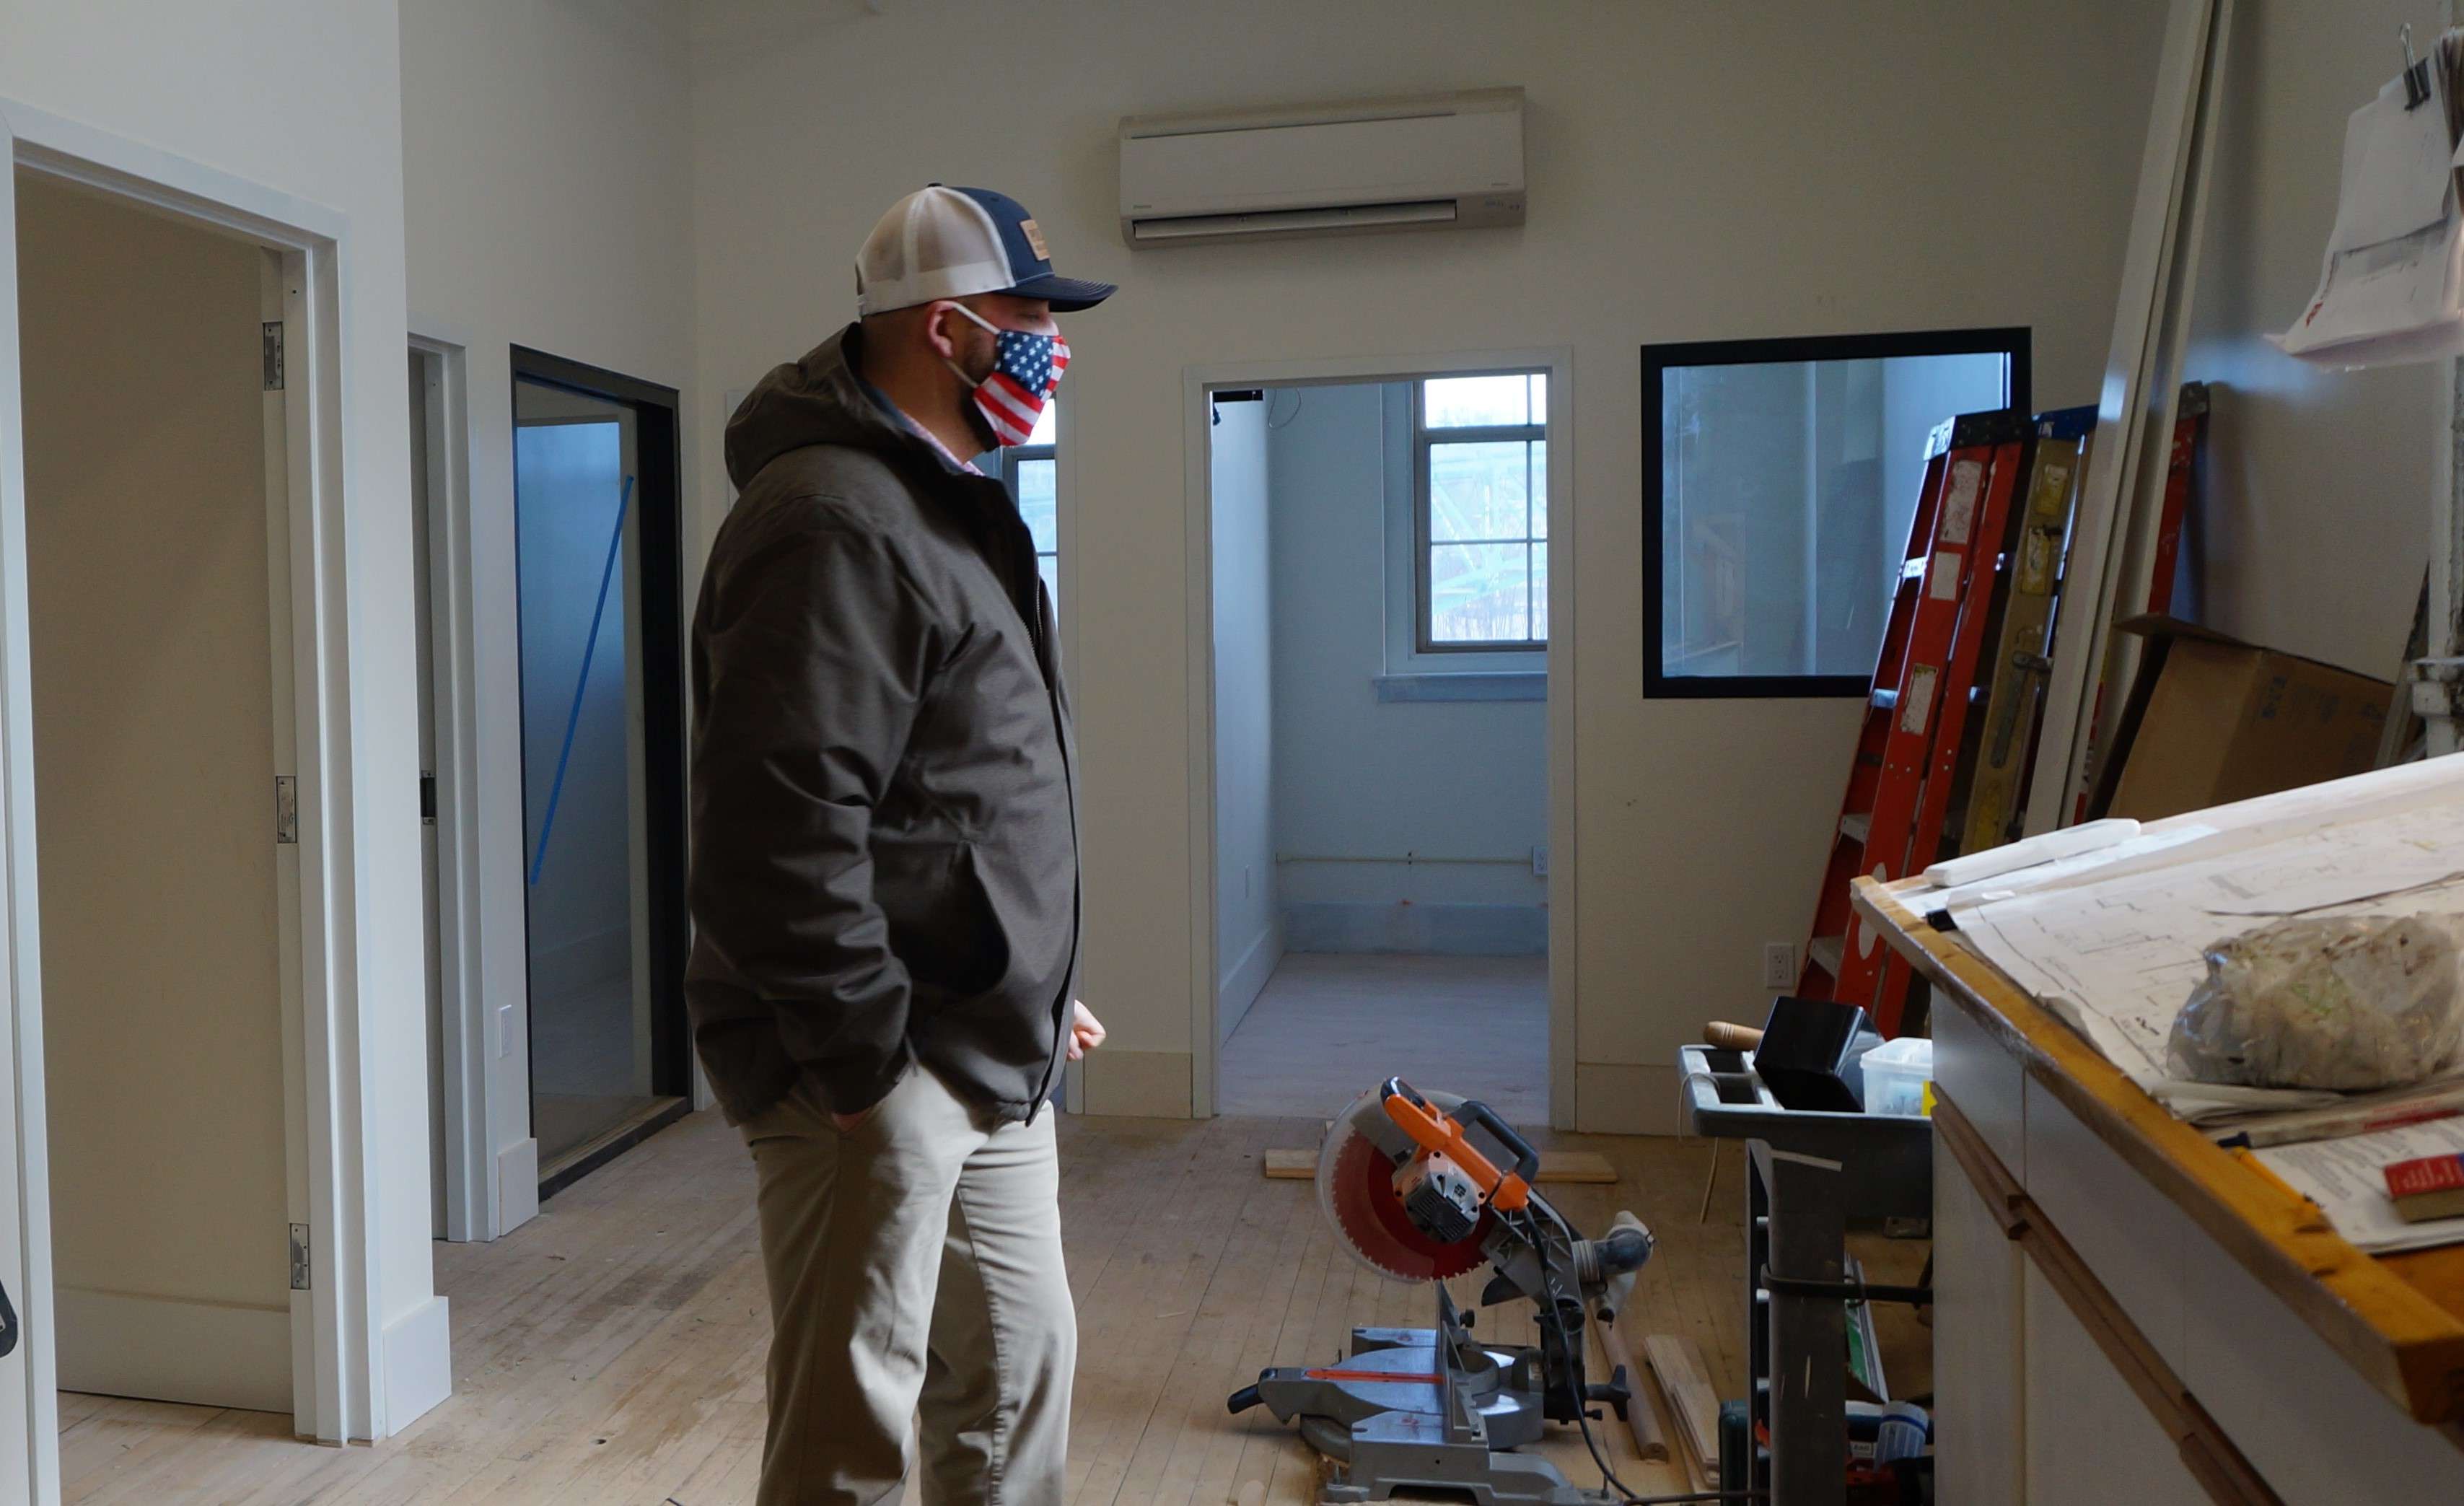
2399,1318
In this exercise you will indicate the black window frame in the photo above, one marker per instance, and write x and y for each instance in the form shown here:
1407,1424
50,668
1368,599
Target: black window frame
1013,456
1423,440
658,512
2014,342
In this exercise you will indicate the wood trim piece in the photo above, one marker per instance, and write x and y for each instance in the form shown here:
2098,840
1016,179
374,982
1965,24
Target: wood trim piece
2407,1342
2210,1457
1678,1365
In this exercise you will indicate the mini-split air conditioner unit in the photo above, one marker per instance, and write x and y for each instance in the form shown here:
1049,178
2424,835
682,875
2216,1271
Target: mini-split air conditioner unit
1417,163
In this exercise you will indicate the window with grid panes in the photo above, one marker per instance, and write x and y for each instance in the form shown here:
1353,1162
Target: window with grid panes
1482,533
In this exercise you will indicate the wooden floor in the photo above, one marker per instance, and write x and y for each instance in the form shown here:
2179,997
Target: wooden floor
1330,1025
610,1352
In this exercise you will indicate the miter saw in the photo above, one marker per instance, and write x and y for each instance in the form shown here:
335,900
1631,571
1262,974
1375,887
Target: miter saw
1417,1199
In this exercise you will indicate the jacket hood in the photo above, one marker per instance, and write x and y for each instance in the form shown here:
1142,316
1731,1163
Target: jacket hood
819,400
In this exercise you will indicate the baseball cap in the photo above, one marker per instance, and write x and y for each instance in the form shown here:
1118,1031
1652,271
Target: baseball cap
947,243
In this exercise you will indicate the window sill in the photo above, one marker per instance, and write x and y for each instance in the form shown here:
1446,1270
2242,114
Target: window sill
1459,685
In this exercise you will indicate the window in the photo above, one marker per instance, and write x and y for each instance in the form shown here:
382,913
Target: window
1033,475
1481,532
1786,475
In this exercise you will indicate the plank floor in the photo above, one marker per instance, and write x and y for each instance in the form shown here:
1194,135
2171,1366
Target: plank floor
610,1352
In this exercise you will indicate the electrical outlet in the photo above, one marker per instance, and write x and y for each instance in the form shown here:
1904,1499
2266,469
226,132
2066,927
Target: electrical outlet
1779,964
1540,862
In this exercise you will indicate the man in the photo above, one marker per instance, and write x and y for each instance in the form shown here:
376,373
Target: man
885,874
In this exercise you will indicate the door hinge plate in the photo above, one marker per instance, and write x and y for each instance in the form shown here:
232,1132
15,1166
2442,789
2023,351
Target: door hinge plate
299,1257
286,809
273,355
428,797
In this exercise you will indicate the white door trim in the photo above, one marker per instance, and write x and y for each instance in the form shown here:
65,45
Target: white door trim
1198,544
472,1206
344,1397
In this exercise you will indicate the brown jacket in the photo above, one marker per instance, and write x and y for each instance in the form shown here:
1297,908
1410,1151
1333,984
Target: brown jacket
885,844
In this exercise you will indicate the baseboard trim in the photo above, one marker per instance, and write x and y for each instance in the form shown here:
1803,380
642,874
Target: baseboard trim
419,1364
1627,1098
1247,979
1445,929
168,1349
1149,1085
518,1193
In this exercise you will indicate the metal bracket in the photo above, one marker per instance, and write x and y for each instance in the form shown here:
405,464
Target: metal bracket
273,355
286,809
299,1275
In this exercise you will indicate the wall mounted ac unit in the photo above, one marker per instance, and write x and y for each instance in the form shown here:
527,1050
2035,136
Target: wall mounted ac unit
1417,163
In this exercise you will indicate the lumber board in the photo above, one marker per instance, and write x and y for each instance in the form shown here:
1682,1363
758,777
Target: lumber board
1582,1167
1679,1365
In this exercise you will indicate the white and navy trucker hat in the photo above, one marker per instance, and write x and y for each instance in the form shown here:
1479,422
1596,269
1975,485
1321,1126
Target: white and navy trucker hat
948,243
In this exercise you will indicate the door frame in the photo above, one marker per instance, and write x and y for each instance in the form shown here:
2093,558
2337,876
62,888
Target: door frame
1200,383
659,515
473,1201
338,1376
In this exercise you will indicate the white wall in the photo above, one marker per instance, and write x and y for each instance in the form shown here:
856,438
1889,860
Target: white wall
547,163
305,99
1249,928
1690,179
1359,777
2315,524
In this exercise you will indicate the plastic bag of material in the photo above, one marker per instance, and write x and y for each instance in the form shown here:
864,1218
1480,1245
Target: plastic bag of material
2351,1003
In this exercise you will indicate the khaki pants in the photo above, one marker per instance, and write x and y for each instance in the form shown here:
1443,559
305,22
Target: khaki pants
914,1268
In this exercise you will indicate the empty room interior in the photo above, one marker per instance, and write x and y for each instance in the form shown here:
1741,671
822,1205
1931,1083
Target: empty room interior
762,752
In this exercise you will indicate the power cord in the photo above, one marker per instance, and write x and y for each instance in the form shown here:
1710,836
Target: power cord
1567,1341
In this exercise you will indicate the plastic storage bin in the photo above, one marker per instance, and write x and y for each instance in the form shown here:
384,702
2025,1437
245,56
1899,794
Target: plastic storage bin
1896,1074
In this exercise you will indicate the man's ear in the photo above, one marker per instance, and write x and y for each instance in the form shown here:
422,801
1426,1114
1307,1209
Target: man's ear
937,318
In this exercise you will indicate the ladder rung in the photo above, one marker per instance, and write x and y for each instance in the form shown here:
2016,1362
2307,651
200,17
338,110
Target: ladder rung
1827,952
1884,699
1857,826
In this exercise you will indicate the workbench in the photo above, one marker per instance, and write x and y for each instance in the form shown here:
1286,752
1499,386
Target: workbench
2126,1312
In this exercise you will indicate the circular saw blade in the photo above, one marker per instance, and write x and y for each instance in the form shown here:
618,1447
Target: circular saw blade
1356,1184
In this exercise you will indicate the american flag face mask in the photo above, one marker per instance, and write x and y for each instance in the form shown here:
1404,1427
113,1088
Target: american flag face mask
1027,372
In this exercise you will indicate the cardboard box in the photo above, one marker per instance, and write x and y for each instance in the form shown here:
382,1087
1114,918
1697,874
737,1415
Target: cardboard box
2213,719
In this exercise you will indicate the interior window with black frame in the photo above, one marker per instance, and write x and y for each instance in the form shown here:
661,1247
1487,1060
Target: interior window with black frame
1482,531
1782,475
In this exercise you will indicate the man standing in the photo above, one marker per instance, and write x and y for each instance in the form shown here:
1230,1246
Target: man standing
885,874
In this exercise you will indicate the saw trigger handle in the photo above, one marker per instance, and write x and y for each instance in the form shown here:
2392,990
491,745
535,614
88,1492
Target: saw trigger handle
1527,1160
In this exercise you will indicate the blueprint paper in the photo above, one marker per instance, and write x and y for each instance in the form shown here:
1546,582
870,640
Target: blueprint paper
2117,951
2345,1178
2390,284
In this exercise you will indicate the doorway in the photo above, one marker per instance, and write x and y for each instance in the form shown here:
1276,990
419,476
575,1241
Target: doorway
1386,832
158,563
598,563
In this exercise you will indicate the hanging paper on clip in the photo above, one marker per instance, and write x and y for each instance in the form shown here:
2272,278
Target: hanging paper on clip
2392,289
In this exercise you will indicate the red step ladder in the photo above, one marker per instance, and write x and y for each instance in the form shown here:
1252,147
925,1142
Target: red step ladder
1916,718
